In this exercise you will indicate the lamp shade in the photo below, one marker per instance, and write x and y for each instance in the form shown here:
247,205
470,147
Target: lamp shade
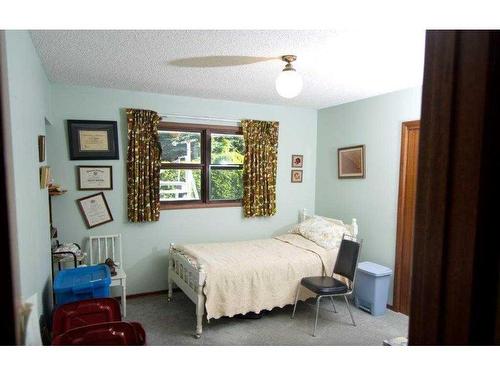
289,84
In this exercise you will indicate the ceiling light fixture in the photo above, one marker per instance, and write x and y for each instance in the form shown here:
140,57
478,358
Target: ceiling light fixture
289,82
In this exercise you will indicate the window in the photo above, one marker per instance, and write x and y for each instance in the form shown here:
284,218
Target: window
201,166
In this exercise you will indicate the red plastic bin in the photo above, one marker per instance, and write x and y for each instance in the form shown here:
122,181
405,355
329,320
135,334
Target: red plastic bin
111,333
93,312
82,313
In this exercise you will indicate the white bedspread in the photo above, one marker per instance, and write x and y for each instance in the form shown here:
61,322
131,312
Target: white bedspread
255,275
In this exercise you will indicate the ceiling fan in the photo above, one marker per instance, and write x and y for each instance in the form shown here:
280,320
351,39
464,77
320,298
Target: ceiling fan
288,82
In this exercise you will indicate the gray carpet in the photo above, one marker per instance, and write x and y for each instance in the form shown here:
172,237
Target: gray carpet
173,323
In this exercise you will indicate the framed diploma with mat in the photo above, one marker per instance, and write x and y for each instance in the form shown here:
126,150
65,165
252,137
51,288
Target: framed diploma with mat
92,140
95,210
95,177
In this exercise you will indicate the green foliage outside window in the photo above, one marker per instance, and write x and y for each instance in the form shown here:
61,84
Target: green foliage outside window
173,184
227,149
174,146
225,183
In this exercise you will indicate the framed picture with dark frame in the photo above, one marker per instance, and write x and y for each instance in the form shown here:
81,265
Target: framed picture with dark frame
93,140
351,162
95,177
296,176
41,148
95,210
297,161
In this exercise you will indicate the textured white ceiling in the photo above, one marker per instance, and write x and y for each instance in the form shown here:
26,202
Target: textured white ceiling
336,67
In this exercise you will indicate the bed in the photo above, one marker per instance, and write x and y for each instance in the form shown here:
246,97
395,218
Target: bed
230,278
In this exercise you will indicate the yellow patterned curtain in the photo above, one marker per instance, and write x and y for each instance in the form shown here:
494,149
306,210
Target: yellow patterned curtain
259,170
143,165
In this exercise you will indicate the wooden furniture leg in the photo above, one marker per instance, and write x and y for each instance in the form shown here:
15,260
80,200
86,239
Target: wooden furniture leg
124,298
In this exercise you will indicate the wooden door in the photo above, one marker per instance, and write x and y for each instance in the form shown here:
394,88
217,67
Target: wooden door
406,215
9,278
456,261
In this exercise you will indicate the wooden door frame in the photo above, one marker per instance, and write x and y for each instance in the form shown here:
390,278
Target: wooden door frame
455,282
9,325
405,129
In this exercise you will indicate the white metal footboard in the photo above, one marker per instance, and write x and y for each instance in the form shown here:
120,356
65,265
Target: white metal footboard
190,277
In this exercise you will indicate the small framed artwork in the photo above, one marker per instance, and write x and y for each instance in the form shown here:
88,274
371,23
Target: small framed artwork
351,162
297,161
95,177
296,176
95,210
92,140
41,148
44,176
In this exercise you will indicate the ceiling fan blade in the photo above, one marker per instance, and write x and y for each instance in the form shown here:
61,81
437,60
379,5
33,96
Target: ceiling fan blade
218,61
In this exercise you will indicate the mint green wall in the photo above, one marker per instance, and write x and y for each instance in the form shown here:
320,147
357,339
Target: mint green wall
145,245
376,123
29,97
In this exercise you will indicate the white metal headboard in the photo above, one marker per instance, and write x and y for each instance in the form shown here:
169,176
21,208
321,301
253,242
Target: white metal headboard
354,223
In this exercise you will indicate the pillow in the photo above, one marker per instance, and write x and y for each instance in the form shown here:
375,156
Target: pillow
324,233
340,230
329,219
348,228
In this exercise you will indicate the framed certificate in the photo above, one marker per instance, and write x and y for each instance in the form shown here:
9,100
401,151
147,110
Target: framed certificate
92,140
95,177
95,210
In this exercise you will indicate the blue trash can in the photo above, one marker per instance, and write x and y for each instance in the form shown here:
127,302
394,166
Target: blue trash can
371,288
82,283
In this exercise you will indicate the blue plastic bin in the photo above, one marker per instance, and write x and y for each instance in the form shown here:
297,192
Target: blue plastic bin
82,283
371,288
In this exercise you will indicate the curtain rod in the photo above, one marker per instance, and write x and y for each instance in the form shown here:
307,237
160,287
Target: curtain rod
204,118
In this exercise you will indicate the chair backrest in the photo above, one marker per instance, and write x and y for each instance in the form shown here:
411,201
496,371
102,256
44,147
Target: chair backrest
103,247
347,258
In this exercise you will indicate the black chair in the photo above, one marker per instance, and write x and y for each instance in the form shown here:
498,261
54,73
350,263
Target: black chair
328,286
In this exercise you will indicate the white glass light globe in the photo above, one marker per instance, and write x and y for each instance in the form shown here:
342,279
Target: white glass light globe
289,84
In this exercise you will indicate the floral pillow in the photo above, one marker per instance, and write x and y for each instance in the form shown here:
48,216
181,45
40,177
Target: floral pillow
325,233
348,228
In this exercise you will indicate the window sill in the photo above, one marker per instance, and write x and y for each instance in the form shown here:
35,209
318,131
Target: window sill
188,205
